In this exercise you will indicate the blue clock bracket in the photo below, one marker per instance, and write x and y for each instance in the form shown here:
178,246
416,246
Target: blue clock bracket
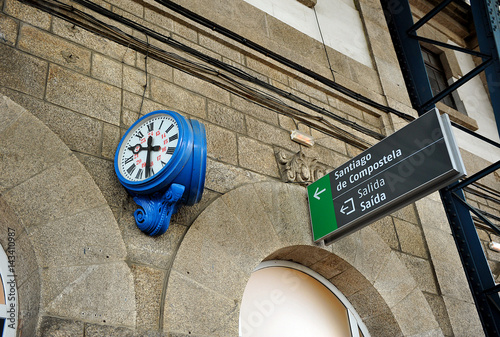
181,179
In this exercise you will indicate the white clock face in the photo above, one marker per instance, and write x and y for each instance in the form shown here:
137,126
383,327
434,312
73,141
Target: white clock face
148,147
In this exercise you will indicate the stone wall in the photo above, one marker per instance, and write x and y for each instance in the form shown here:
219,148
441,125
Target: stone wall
73,94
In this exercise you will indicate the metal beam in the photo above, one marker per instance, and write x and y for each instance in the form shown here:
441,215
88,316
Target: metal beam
476,176
400,21
474,261
479,215
429,16
449,46
486,20
477,135
464,79
405,38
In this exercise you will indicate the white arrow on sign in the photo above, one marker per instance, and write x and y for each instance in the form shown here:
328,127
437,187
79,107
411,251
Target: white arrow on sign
345,208
318,192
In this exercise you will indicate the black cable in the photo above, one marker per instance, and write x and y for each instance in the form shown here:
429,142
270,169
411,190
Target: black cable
92,24
232,35
488,190
146,71
324,45
488,215
229,68
483,195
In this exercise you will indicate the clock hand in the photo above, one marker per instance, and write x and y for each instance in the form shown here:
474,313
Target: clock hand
148,155
137,148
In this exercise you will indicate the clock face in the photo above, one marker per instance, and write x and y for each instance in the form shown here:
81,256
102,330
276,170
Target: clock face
148,147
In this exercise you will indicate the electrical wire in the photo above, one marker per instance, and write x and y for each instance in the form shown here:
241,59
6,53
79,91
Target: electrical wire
324,45
91,23
246,42
212,61
487,196
491,196
146,71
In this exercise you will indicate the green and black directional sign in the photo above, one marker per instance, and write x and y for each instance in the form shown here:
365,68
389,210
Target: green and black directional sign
411,163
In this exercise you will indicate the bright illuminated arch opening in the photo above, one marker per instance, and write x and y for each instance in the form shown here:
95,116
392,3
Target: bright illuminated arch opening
286,299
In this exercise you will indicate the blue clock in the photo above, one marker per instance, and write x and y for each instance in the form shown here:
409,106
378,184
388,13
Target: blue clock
161,161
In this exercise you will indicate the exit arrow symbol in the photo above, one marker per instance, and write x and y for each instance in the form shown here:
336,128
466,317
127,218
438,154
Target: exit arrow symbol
318,192
347,205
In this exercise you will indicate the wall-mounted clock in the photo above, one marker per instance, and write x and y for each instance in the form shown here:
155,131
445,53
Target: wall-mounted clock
161,161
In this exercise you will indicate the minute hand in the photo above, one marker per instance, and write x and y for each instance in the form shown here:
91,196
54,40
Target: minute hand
148,155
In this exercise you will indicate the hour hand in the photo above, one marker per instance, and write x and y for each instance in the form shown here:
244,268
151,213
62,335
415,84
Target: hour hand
137,148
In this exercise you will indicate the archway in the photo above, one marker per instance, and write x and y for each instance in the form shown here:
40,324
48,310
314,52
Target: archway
270,221
287,299
70,256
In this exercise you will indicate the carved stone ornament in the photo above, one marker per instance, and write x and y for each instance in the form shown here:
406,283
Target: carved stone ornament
298,168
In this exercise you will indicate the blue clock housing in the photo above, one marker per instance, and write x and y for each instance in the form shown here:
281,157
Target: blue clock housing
180,181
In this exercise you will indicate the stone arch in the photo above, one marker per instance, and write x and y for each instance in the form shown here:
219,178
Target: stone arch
25,268
258,222
70,253
364,297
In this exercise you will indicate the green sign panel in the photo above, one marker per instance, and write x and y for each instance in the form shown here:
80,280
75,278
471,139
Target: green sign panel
321,207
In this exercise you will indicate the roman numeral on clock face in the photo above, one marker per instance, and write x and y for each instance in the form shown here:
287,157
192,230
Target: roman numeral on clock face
139,134
131,169
129,159
139,174
174,137
169,128
171,150
151,126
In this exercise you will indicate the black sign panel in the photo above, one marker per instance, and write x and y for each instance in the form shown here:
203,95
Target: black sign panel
409,164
